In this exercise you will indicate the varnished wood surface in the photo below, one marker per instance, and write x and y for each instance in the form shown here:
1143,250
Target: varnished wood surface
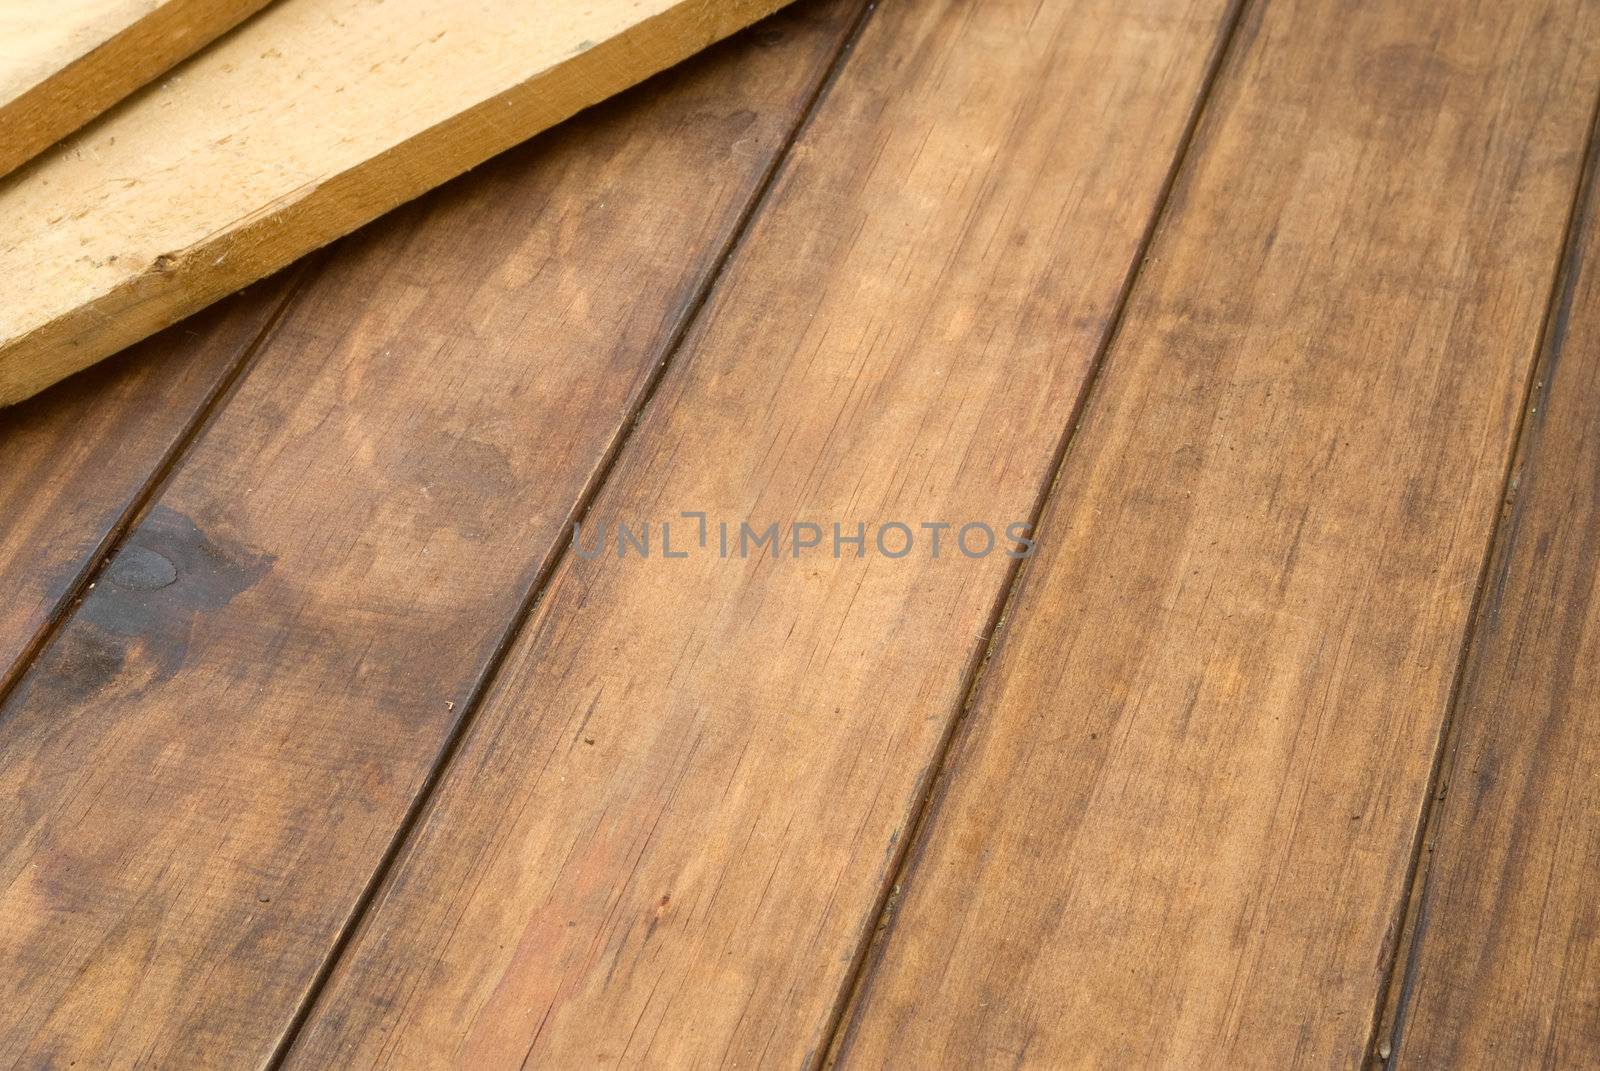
1177,828
203,770
1505,965
345,760
664,840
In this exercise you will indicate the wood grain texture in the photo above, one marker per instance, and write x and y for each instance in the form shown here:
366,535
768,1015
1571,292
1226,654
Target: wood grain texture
1178,821
201,772
62,64
317,117
663,839
1505,965
76,459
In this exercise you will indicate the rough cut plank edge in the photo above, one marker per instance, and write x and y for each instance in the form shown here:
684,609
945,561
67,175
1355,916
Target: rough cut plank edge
39,117
184,281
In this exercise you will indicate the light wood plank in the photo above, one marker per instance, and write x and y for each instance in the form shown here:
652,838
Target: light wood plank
62,64
198,777
662,843
317,117
1177,825
1505,968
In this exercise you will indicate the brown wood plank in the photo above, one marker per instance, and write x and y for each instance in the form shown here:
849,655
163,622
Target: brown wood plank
1177,823
1505,965
202,771
316,117
663,840
63,64
76,460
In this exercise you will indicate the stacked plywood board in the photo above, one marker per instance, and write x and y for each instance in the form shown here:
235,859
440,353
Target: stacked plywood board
311,119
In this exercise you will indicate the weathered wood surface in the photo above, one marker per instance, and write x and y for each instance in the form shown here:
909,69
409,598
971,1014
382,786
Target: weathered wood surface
62,64
664,838
1505,965
316,117
1178,822
75,461
201,773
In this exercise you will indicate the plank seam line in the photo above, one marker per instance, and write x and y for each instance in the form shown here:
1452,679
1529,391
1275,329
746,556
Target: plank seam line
1411,909
879,928
537,589
155,482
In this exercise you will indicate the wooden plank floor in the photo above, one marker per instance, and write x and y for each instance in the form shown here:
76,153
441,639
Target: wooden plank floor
1263,335
1184,806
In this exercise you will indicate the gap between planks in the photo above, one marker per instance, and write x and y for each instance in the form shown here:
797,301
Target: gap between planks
1388,1017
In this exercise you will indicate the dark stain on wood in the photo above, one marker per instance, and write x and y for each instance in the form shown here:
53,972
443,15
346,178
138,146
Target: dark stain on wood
136,622
167,575
76,460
